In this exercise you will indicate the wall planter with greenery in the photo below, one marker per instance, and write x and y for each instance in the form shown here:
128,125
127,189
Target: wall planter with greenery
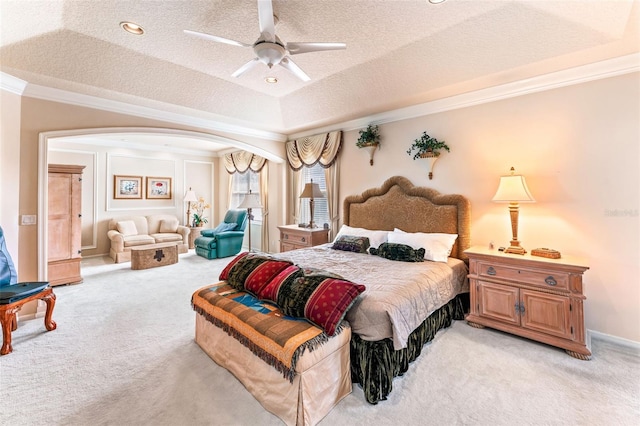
427,147
370,139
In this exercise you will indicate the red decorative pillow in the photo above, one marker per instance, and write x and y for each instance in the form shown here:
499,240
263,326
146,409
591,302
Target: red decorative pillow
270,291
330,301
224,275
263,274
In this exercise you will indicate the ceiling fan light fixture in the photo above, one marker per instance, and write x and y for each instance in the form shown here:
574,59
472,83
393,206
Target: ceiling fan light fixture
269,53
132,28
271,80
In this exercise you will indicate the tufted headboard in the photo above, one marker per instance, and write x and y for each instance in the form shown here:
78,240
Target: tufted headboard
400,204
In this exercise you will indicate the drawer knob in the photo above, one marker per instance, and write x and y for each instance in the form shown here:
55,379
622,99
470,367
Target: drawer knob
550,280
491,270
304,240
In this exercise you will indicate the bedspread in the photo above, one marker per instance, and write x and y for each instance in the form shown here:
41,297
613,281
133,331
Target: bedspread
398,295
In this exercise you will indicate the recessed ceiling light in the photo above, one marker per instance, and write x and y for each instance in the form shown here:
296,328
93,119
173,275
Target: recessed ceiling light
436,1
132,28
271,80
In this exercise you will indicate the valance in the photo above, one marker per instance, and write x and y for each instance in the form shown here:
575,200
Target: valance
308,151
242,161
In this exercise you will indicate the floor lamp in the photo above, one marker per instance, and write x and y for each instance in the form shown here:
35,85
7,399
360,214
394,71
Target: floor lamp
189,197
251,201
513,189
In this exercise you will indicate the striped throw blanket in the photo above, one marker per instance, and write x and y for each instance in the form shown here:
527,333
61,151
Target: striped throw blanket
277,339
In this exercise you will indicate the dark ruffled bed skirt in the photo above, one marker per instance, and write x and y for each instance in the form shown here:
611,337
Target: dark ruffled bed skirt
375,364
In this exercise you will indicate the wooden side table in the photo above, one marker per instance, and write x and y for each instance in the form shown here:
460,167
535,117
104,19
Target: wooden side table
294,237
195,233
530,296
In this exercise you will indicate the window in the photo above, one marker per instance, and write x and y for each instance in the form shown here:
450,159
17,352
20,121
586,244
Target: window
240,185
320,207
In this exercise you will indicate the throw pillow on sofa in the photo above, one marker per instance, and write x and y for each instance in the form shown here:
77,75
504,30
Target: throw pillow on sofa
127,228
169,225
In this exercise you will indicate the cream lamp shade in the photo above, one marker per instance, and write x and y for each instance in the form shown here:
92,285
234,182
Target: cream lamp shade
189,197
311,190
250,201
513,190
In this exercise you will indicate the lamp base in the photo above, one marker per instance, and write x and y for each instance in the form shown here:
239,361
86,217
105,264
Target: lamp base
515,250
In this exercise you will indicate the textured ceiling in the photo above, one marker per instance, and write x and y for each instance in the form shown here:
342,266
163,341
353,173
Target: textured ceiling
399,52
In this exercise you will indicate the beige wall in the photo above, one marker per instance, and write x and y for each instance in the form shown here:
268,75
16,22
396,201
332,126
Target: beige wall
10,169
578,147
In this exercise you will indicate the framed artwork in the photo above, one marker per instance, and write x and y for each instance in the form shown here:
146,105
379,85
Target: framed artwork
127,187
159,187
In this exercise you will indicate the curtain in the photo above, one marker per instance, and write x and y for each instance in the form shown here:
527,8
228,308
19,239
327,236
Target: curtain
241,161
332,179
264,200
308,151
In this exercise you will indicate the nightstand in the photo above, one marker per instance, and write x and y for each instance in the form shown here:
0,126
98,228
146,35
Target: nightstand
195,233
533,297
294,237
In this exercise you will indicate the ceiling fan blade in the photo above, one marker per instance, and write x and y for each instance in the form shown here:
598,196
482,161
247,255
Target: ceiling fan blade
216,38
296,70
265,18
246,67
296,48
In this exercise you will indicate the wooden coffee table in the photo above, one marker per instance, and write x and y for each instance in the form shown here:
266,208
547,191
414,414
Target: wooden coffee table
154,255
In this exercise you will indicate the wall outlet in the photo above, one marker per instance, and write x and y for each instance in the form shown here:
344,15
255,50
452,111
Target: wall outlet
28,219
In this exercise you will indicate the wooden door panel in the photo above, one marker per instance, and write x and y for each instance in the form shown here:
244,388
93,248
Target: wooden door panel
547,313
498,302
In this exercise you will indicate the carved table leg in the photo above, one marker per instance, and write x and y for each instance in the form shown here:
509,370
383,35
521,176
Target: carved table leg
583,357
7,318
50,299
474,325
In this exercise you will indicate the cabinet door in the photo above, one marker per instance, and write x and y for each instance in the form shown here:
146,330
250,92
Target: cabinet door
60,233
76,216
498,302
546,313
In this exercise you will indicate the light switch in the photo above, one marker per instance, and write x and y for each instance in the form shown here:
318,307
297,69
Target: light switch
28,219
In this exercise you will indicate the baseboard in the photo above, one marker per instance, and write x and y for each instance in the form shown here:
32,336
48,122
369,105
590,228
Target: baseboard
630,344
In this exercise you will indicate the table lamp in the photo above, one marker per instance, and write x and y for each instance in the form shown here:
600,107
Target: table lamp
513,190
311,190
250,201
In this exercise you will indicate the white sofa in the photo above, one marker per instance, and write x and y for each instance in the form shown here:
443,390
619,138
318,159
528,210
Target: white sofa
134,231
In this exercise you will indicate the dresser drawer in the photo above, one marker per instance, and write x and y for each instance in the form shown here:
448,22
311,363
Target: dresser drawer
547,279
294,238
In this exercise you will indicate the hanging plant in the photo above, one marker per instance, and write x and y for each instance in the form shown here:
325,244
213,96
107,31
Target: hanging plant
369,136
426,146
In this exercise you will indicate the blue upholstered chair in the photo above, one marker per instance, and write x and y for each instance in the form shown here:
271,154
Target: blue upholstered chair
224,240
14,294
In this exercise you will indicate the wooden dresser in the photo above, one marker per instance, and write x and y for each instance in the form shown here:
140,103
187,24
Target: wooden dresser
530,296
293,237
64,224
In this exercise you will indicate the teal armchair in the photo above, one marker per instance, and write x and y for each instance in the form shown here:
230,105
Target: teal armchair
223,241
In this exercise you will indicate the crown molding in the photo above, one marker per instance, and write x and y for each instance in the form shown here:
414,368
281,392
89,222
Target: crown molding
12,84
582,74
72,98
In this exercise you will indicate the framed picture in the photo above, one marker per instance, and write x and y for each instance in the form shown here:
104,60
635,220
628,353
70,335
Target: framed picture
159,187
127,186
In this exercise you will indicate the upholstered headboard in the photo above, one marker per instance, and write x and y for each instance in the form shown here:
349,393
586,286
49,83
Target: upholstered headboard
400,204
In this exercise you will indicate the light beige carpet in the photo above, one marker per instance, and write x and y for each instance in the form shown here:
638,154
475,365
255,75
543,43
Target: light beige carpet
123,354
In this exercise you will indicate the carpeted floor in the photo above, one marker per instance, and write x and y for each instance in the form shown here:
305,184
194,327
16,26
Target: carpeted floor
123,354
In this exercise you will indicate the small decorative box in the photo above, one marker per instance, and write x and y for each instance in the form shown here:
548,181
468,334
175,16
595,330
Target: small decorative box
546,252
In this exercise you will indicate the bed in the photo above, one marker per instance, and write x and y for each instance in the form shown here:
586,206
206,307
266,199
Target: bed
383,334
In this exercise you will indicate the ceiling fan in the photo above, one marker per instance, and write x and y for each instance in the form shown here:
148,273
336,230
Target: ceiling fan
269,49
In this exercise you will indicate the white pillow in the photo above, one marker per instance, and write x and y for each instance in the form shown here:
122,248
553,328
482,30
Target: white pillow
127,228
168,225
375,237
437,247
